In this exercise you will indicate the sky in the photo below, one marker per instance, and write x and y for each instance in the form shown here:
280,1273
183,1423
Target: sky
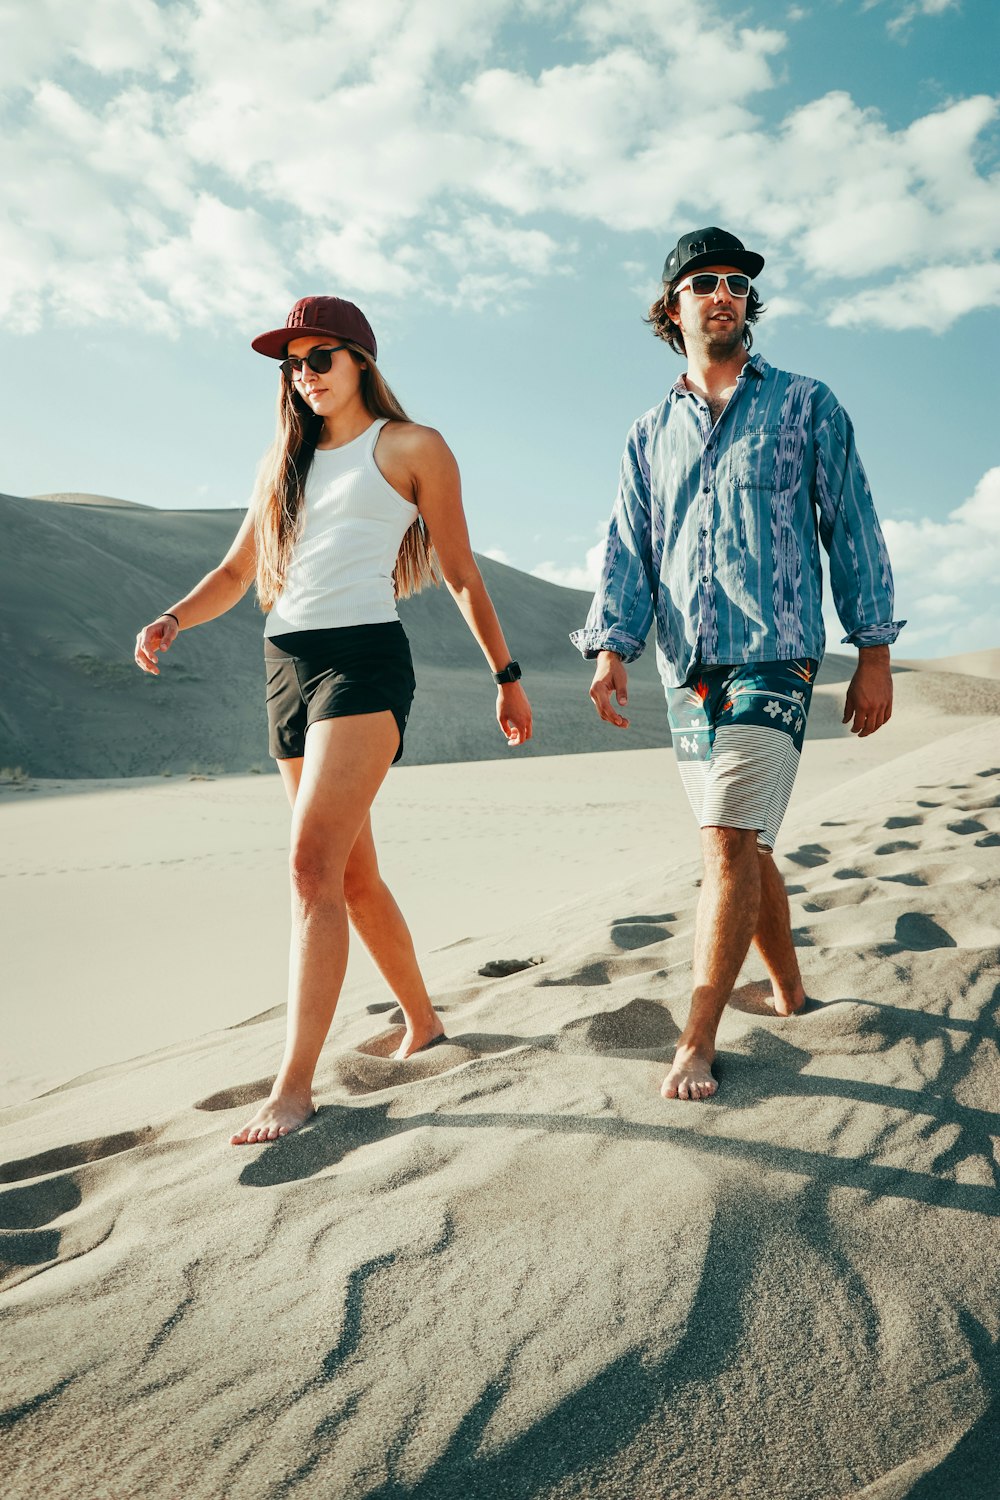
498,184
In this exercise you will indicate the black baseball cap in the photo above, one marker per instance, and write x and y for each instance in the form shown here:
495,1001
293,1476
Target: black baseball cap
710,247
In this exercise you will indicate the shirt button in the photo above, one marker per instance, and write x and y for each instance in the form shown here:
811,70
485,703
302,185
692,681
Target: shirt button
704,577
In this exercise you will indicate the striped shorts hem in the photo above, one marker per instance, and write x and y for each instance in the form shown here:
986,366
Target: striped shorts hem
737,734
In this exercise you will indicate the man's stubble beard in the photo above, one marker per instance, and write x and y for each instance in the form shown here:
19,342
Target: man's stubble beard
718,345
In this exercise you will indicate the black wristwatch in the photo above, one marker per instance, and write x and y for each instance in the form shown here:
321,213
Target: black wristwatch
510,673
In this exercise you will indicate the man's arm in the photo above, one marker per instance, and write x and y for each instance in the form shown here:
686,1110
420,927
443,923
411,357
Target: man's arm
622,610
860,571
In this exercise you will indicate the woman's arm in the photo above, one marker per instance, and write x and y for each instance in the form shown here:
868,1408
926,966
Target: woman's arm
217,592
437,490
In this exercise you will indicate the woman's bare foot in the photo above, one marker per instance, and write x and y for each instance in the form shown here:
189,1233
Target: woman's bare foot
277,1116
691,1075
787,999
415,1038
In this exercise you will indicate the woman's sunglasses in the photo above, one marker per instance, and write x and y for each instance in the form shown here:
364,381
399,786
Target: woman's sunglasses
318,360
705,283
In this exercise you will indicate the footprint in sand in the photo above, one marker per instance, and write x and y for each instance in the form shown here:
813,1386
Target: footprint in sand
502,968
28,1244
896,847
967,825
371,1067
810,856
920,933
993,771
849,874
75,1155
241,1094
639,932
24,1211
909,821
642,1028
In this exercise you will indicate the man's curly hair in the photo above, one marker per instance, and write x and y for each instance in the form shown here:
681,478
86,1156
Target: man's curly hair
665,328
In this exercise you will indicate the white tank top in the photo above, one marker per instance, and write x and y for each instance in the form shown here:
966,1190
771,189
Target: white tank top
349,538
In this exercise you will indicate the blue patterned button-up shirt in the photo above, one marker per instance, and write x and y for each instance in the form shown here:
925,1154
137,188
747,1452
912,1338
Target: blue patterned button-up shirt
716,530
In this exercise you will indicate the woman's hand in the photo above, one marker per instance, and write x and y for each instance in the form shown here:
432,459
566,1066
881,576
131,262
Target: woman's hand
514,712
153,638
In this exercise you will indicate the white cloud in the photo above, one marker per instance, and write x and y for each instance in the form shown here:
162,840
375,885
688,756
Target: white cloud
899,23
785,307
390,150
946,571
223,268
109,36
584,577
933,299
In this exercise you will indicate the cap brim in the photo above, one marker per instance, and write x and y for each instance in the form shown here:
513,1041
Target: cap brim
744,260
275,344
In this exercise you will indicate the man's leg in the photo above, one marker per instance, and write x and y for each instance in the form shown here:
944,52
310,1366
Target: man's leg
728,916
773,939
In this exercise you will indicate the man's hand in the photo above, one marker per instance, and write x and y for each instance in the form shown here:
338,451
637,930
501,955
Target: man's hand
610,677
869,697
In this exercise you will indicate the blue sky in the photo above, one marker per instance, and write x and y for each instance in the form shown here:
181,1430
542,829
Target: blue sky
497,184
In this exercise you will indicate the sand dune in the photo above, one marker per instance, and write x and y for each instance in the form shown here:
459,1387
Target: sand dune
78,706
973,663
507,1268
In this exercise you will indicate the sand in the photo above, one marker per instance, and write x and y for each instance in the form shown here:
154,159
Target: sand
507,1267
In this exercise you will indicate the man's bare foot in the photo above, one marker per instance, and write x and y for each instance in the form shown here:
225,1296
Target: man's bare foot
416,1038
277,1116
691,1075
786,1000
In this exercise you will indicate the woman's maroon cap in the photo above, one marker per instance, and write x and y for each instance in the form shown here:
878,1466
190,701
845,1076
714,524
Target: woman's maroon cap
319,317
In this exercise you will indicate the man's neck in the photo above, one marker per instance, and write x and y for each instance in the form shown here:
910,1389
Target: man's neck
710,378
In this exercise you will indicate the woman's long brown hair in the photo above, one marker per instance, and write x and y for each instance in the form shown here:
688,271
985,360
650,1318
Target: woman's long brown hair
278,495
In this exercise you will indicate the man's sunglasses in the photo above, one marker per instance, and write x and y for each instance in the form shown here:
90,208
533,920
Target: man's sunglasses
705,283
319,361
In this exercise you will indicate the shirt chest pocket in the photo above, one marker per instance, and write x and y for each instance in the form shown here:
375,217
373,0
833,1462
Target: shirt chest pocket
764,459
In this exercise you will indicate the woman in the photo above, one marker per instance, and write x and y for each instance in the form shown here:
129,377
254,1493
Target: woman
355,506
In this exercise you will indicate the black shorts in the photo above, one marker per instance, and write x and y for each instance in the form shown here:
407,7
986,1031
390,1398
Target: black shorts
328,674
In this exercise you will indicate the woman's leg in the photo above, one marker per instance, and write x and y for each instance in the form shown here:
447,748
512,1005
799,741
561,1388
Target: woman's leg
382,928
344,765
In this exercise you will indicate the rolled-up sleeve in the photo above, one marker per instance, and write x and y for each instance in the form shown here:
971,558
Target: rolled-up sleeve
860,571
622,609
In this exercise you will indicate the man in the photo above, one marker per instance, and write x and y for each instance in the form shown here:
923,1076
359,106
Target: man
726,488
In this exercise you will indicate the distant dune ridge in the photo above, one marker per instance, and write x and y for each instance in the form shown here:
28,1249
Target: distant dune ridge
80,575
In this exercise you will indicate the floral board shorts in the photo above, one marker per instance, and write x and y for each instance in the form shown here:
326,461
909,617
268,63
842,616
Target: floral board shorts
737,734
